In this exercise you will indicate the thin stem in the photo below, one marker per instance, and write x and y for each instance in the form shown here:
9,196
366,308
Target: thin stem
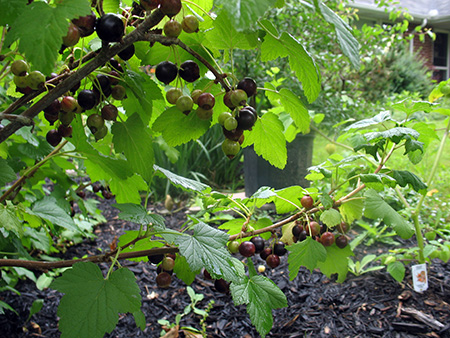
30,172
112,265
416,211
330,139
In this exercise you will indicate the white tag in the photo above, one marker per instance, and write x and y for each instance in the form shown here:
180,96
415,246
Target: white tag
420,277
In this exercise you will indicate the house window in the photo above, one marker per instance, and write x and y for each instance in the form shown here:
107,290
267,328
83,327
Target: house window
440,57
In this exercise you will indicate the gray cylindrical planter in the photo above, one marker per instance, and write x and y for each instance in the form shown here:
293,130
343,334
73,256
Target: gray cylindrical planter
258,172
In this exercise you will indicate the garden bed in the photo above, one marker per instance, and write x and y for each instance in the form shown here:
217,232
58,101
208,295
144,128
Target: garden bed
370,305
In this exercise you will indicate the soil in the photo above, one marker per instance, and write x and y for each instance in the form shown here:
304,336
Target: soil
370,305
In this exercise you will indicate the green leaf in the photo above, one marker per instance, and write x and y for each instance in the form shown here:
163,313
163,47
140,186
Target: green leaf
296,109
183,182
396,270
142,93
91,304
404,178
183,271
331,217
5,306
138,214
142,244
410,107
225,36
348,43
36,306
268,139
47,208
177,128
326,201
128,190
300,61
292,194
207,248
7,174
134,140
11,9
39,43
9,220
376,208
336,262
380,118
305,253
261,296
396,135
352,210
244,14
235,226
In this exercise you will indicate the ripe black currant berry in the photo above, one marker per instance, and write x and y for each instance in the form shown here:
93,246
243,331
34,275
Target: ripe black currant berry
247,249
246,119
65,131
166,72
172,29
279,249
53,108
307,202
206,101
206,274
248,85
115,65
258,241
127,53
189,71
327,238
81,194
19,68
273,261
95,122
296,230
163,279
302,236
53,137
170,7
110,28
230,148
103,82
343,228
51,117
265,253
96,188
222,285
85,24
190,24
234,135
118,92
72,37
109,112
87,99
107,194
114,77
150,5
341,241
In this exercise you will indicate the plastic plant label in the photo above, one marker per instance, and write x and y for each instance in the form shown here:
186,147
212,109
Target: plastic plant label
420,277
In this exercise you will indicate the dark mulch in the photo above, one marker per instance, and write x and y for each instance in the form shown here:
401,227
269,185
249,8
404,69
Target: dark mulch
371,305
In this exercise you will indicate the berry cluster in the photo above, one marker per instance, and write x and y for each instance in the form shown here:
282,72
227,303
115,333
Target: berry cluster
165,267
256,245
242,116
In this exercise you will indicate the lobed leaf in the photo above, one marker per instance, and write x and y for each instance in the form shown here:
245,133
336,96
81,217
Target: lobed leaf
305,253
